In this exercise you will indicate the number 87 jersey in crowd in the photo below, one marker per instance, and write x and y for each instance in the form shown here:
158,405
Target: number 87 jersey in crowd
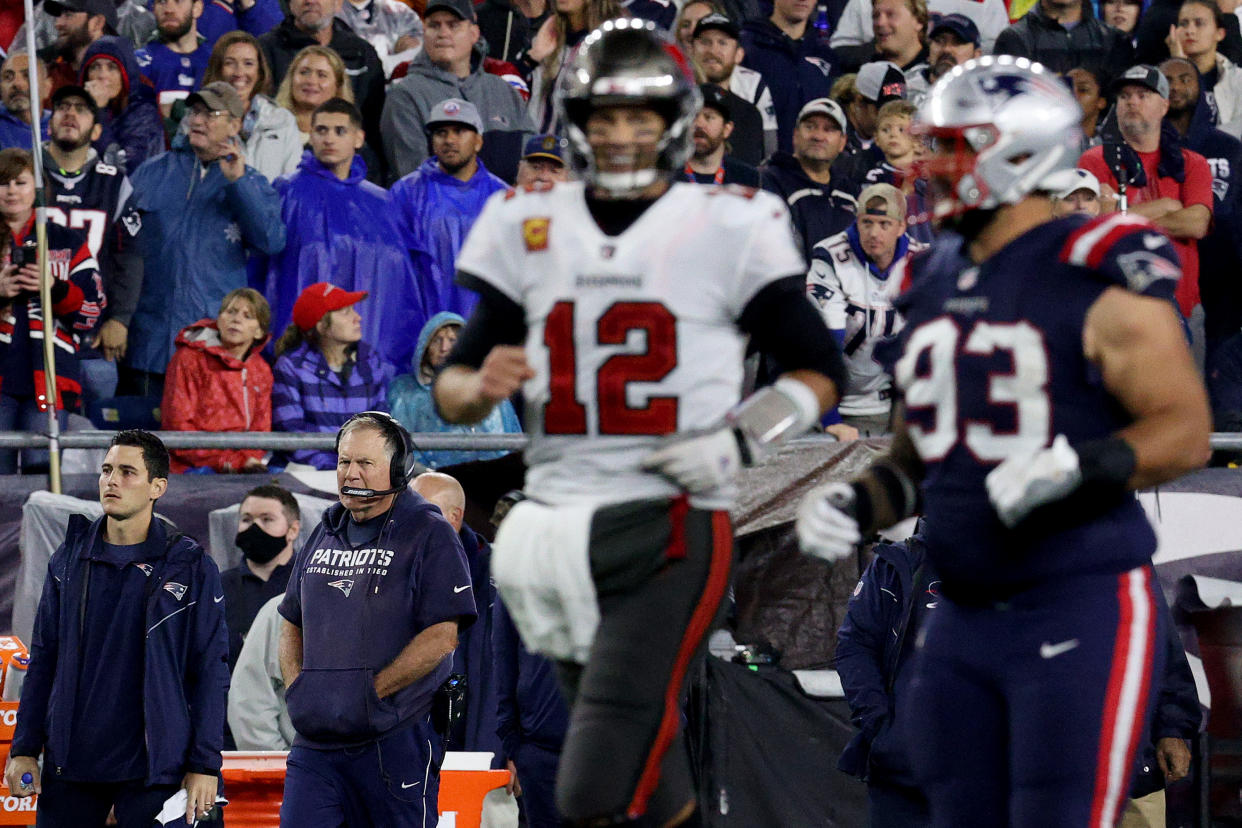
631,337
992,366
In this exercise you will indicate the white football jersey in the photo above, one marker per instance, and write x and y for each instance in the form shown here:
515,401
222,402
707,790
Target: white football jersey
631,337
853,299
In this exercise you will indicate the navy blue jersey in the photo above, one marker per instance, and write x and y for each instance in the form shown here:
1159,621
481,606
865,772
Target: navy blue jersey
173,75
992,365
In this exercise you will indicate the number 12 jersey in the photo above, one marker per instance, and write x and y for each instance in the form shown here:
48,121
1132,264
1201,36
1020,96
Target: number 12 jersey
631,337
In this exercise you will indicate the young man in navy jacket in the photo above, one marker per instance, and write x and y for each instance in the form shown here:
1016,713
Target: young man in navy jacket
371,615
128,682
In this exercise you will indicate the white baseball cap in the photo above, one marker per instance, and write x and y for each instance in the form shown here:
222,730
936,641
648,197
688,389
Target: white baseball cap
1082,180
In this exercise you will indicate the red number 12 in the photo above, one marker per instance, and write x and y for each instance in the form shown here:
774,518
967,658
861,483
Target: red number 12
564,414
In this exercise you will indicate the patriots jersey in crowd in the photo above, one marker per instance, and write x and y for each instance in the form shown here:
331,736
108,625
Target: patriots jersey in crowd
991,365
95,200
173,75
91,200
856,300
631,337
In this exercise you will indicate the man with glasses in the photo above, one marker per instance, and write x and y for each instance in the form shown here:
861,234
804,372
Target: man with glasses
203,209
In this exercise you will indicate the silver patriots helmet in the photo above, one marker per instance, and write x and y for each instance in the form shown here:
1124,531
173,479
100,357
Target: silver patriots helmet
1000,128
628,62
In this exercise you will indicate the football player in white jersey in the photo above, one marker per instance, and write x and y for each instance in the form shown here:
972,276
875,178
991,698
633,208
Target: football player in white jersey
620,306
854,278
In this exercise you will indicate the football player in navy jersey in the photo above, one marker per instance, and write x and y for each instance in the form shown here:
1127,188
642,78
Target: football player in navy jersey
1045,377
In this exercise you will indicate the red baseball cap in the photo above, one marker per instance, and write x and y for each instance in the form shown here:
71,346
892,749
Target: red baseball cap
321,298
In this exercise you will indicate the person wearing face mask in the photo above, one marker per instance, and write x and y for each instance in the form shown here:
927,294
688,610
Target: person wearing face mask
268,523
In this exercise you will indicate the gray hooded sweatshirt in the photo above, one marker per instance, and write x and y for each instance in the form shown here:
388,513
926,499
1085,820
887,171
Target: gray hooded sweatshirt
505,122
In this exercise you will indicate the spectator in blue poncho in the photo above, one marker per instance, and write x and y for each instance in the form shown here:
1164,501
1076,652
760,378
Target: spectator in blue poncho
440,201
343,229
409,396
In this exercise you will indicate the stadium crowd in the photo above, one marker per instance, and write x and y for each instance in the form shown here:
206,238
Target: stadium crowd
257,211
272,199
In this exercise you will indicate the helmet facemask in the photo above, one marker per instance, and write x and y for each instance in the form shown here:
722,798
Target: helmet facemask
1000,128
628,63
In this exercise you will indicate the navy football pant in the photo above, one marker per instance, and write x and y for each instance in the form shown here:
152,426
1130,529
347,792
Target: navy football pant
392,782
661,571
86,804
1029,713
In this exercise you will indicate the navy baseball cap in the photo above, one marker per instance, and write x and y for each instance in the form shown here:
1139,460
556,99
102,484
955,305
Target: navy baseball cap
549,147
462,8
717,99
72,91
959,24
717,21
104,8
1143,75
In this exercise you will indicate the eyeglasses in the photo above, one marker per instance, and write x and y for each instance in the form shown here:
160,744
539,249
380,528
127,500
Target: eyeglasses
200,111
72,106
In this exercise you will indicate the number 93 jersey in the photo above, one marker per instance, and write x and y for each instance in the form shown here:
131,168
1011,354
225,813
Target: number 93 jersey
992,364
631,337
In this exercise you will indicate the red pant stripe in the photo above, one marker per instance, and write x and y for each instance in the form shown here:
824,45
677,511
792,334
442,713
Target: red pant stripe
698,628
1125,702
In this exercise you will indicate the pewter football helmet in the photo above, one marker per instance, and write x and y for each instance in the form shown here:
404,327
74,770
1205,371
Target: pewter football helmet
628,62
1001,128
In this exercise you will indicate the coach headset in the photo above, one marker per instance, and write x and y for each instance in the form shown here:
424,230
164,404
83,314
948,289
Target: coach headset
401,470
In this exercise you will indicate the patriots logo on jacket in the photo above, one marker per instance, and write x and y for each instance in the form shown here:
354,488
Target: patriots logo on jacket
820,64
345,585
147,569
820,292
175,589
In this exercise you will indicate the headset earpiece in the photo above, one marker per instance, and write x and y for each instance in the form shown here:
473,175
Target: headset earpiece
401,470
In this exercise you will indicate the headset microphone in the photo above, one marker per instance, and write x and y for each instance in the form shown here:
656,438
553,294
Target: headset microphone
350,491
403,465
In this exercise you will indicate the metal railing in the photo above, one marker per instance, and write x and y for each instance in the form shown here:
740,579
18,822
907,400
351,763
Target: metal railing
282,441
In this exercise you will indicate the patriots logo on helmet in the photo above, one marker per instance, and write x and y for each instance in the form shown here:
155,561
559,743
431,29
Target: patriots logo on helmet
345,585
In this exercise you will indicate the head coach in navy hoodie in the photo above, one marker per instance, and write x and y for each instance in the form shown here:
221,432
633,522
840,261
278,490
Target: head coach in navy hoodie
371,615
128,680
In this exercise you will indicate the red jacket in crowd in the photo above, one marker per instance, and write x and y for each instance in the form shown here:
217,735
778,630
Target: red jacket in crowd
208,389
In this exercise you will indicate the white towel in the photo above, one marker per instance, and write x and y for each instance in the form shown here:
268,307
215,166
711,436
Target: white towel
173,812
541,565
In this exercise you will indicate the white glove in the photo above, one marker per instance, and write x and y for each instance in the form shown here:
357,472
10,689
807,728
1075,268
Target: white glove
1027,481
826,526
698,463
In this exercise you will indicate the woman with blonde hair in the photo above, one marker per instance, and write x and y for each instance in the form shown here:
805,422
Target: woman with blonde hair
570,22
270,135
316,75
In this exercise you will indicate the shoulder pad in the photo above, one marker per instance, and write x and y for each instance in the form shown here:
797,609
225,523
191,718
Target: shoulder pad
1125,250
